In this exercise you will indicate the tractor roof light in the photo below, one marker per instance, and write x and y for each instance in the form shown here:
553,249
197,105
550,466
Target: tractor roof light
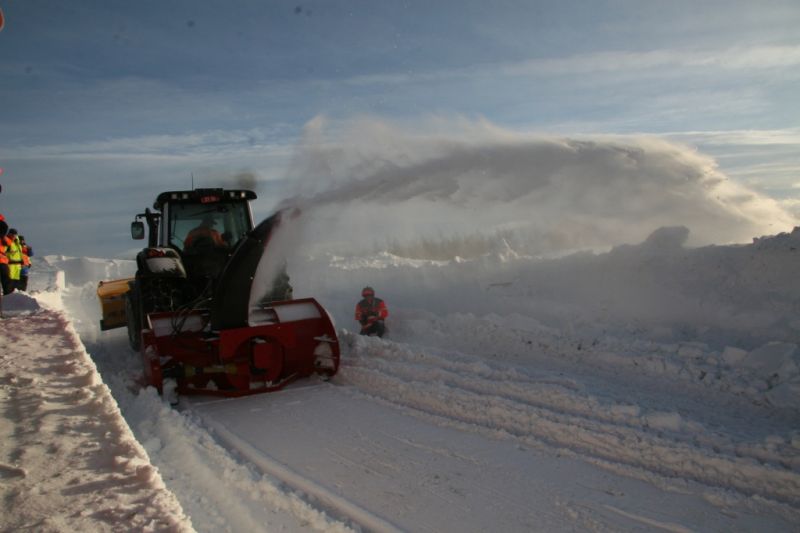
204,196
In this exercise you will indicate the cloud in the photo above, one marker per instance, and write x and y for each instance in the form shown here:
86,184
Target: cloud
92,189
767,159
783,136
650,62
374,180
792,205
210,143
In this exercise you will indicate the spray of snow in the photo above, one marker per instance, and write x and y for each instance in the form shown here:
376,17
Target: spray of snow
369,183
383,206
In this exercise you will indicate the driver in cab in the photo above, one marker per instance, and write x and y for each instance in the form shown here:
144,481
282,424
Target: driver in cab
205,231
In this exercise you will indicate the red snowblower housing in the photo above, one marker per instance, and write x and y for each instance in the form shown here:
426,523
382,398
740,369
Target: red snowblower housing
189,309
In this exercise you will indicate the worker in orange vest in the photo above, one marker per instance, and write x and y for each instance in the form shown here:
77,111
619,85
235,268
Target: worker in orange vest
3,261
5,279
371,313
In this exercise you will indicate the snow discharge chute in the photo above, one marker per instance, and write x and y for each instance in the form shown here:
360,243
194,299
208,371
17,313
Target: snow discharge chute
230,305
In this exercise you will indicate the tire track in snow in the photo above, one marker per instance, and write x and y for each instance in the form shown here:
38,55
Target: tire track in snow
363,518
544,410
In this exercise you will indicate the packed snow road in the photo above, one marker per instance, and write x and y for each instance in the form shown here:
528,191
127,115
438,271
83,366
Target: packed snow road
417,441
546,408
420,439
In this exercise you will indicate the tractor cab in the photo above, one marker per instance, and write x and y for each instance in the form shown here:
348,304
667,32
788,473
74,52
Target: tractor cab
202,226
183,217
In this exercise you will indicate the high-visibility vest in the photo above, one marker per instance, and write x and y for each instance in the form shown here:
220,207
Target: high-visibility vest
14,255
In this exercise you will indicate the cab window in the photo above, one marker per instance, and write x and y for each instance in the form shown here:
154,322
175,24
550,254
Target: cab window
230,220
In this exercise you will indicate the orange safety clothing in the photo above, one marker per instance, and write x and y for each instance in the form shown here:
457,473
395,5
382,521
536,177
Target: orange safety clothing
371,309
4,244
204,231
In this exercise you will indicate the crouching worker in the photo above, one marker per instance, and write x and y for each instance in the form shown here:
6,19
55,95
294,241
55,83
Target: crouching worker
370,313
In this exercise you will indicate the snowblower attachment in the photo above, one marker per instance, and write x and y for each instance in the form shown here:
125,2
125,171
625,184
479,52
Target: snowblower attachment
188,310
295,339
231,349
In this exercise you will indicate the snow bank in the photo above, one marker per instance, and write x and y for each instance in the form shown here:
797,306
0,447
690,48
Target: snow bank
708,315
68,460
81,270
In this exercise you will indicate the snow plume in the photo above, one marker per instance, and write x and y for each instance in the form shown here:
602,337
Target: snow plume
283,254
374,184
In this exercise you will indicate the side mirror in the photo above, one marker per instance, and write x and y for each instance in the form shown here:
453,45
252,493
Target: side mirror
137,230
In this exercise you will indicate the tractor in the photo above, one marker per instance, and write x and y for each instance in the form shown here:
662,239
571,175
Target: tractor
190,310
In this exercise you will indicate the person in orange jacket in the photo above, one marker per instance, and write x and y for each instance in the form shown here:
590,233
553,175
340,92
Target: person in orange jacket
5,278
371,313
3,262
204,232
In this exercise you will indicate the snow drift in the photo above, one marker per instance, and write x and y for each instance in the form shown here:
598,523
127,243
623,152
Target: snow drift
68,460
691,309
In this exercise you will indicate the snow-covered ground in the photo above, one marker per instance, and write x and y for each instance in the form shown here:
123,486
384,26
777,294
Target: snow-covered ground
650,387
68,460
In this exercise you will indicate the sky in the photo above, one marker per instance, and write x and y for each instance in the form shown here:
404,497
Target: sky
106,104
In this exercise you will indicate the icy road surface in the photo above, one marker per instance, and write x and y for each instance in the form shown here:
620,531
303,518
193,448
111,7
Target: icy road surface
404,440
386,469
409,440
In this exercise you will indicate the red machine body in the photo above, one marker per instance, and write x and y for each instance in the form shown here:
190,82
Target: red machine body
286,341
